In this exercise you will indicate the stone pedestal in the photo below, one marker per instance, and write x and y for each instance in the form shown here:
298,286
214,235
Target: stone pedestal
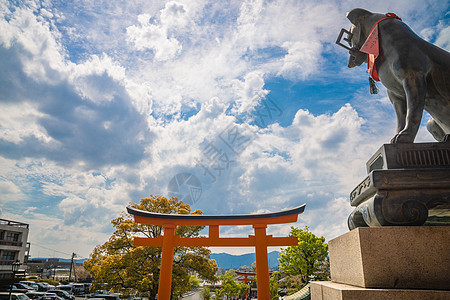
327,290
388,263
407,185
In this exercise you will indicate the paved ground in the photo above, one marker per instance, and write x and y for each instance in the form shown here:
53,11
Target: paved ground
192,296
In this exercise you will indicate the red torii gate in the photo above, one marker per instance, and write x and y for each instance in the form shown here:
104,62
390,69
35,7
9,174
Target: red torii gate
246,275
260,240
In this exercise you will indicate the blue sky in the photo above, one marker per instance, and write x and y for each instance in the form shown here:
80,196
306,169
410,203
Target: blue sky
105,102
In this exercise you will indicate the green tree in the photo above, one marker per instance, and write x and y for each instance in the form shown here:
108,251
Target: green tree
230,287
206,293
309,258
194,282
135,270
273,282
291,284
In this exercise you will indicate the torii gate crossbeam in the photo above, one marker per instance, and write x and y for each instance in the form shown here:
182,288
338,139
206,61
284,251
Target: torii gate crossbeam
260,240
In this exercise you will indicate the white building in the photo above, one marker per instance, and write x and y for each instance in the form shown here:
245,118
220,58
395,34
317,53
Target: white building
13,246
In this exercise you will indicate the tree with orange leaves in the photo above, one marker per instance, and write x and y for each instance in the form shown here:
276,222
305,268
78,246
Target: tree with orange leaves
134,270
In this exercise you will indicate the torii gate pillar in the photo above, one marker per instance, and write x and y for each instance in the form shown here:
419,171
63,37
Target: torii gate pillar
262,263
165,274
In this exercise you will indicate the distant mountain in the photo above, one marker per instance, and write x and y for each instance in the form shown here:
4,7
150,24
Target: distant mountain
228,261
224,260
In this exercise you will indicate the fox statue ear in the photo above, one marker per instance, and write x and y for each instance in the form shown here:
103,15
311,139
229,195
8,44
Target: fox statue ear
356,35
357,14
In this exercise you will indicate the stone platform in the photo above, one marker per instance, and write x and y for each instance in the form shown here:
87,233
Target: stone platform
327,290
405,262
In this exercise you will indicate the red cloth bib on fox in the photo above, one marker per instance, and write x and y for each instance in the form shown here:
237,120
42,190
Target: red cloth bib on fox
372,48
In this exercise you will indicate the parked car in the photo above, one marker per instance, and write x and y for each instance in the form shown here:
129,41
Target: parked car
43,295
41,287
63,294
31,284
23,286
65,287
47,286
77,288
86,287
38,286
51,297
15,289
35,295
14,296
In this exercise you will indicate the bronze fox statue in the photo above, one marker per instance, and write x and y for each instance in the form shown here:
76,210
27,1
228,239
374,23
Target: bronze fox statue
415,72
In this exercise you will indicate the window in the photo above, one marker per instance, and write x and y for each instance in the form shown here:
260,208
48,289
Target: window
11,236
9,255
2,235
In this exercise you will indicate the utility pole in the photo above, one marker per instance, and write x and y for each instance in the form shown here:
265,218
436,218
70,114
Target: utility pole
74,270
72,265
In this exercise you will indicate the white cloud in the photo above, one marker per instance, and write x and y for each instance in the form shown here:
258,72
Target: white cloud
174,15
98,78
21,121
154,37
10,192
46,98
301,60
443,39
46,13
44,59
7,31
249,91
212,63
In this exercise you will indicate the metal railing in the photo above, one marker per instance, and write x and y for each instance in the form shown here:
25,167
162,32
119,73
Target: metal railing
6,262
11,243
13,223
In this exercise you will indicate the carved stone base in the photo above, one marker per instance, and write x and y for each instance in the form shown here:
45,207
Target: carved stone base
410,156
407,184
327,290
